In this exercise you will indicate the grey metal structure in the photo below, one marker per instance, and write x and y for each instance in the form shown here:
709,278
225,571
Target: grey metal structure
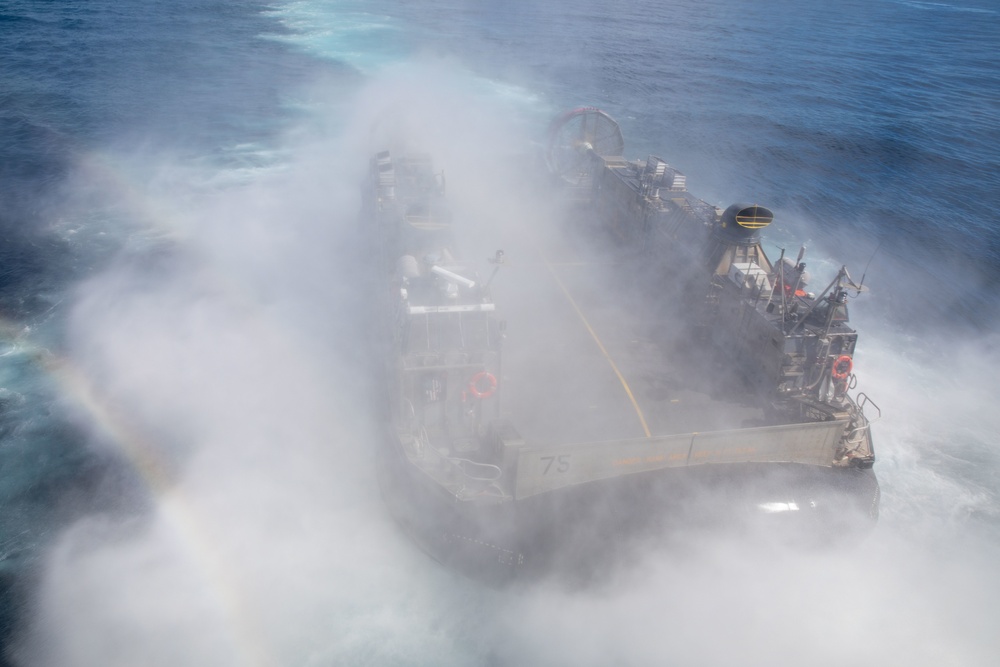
478,480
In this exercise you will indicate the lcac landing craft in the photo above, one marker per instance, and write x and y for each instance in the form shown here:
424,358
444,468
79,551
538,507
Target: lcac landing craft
555,430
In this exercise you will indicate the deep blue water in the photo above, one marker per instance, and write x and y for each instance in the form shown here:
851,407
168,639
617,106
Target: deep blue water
866,125
878,120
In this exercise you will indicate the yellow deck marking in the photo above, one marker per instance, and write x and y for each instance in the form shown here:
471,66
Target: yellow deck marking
600,345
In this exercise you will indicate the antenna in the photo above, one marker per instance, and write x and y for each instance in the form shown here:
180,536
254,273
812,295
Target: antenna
865,272
781,281
497,260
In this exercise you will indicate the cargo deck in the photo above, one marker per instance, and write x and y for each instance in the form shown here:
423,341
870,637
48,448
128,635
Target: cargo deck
585,361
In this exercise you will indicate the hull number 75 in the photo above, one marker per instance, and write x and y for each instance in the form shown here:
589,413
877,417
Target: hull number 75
557,464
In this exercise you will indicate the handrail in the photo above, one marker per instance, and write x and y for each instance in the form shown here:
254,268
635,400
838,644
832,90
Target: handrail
863,400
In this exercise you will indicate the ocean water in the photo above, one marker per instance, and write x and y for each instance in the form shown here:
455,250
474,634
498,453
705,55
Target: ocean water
184,421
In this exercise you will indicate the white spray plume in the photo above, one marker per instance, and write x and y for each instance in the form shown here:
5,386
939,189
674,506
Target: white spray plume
238,356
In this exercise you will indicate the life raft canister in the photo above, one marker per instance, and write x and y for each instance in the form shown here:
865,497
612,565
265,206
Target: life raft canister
842,367
477,381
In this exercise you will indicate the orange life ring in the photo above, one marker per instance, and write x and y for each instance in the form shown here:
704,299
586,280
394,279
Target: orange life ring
491,381
842,367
